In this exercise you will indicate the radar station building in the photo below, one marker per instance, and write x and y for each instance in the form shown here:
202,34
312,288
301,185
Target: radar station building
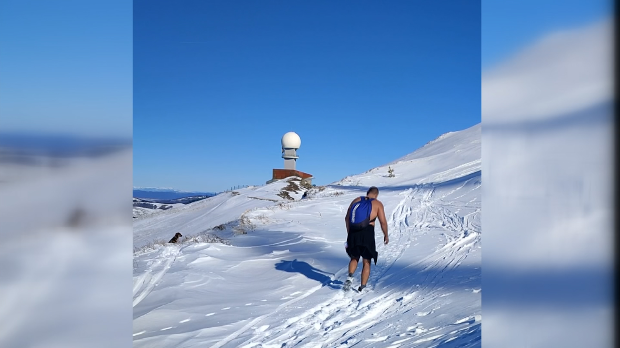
290,143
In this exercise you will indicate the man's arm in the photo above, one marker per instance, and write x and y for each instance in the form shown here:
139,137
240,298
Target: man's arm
383,221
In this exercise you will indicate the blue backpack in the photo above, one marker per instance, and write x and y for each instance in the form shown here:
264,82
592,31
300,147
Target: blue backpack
359,215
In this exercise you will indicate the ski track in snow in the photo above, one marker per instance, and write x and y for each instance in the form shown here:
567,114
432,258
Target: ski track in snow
329,322
145,283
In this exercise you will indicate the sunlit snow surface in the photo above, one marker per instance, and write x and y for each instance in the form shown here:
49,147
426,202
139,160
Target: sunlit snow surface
547,142
280,283
66,244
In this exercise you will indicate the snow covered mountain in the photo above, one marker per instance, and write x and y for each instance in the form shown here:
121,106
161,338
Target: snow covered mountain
261,267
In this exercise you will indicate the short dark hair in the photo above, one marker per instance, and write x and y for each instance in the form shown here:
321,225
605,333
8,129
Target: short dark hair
373,190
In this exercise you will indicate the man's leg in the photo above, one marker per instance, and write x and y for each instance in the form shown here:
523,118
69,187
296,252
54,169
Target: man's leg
352,266
365,271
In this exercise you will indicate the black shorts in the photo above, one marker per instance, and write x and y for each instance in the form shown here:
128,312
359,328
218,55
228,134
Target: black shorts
357,251
362,243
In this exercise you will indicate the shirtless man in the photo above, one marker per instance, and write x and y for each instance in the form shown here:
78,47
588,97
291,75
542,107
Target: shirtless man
361,240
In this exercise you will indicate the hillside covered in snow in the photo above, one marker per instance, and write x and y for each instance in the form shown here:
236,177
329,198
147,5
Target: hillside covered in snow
260,267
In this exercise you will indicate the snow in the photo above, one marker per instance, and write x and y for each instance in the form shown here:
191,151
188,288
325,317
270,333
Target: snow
277,278
563,72
62,282
548,148
203,215
139,212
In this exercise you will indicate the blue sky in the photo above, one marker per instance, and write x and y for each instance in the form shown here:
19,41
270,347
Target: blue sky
66,67
509,26
217,84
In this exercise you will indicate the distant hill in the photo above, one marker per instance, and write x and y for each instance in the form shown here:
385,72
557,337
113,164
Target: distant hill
16,145
167,194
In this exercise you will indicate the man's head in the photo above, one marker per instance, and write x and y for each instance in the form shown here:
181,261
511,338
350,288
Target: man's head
373,192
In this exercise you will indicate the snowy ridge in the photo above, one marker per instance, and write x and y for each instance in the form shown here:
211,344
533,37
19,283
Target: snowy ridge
451,156
465,143
202,215
280,284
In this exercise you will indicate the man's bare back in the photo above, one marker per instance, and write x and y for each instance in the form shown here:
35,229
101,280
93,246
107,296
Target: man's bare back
377,211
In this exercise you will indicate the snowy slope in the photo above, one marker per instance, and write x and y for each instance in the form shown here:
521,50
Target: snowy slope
200,216
62,271
279,284
452,155
548,148
143,208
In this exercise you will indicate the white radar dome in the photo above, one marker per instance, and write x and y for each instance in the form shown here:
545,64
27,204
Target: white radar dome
291,140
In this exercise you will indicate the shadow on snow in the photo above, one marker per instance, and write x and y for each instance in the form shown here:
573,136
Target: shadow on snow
308,271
